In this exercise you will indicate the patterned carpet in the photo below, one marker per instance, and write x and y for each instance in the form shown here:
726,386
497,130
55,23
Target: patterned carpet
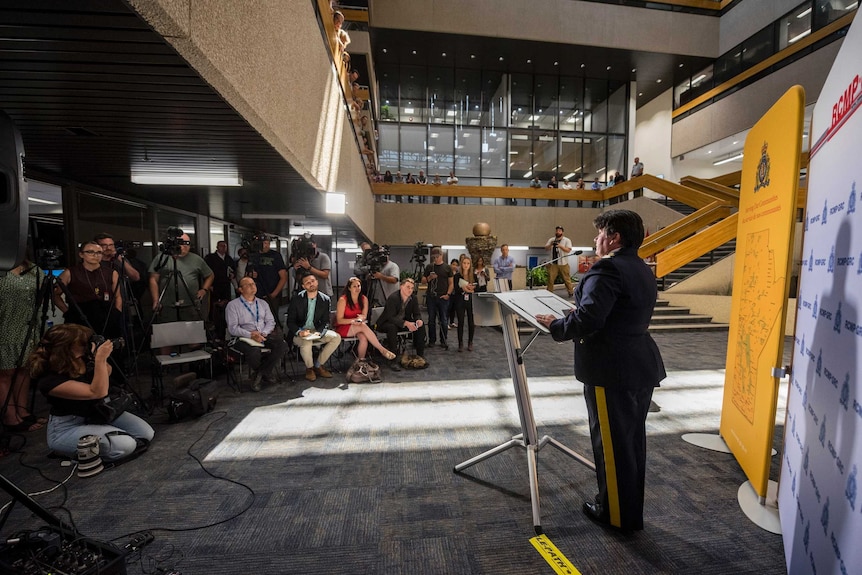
360,480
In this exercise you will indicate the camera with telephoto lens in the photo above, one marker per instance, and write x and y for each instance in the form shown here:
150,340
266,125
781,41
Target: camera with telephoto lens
419,250
254,243
302,247
173,242
122,245
119,343
373,259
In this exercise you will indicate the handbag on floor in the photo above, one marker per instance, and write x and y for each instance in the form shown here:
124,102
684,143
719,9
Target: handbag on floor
363,371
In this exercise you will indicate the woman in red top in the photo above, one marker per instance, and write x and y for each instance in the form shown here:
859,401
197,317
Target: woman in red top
351,316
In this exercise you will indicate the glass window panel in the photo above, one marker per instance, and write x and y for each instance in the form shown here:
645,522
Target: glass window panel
389,96
545,155
468,145
494,153
826,11
520,154
701,83
682,93
617,155
571,103
728,65
387,148
441,148
571,151
413,84
522,101
546,102
413,149
468,96
441,83
596,104
595,160
758,48
794,26
104,210
617,107
495,101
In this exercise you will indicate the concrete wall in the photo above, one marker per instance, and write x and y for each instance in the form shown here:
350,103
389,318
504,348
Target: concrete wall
559,21
718,307
749,17
268,60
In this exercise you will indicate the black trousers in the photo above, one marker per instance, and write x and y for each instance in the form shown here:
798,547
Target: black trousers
257,361
463,308
618,434
391,330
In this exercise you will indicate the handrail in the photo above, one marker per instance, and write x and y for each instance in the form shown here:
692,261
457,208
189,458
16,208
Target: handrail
712,188
806,42
692,248
681,229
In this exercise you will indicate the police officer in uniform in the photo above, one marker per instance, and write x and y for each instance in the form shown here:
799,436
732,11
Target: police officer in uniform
618,363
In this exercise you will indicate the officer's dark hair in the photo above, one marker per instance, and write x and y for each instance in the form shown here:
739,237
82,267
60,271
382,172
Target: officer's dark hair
626,223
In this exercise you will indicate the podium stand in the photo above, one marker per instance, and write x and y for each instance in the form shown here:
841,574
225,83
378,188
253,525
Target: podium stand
526,304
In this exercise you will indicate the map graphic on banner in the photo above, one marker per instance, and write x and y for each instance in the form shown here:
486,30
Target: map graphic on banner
819,500
758,310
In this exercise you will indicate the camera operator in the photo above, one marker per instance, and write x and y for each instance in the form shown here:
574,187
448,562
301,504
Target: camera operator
360,267
316,263
559,246
72,372
92,285
178,303
114,259
224,269
387,278
268,271
439,277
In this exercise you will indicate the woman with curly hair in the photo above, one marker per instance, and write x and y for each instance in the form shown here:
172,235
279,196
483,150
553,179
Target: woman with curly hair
351,319
72,372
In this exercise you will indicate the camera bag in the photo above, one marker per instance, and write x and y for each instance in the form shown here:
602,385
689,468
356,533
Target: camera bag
194,400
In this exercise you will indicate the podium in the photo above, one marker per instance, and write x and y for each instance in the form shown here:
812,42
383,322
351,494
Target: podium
526,304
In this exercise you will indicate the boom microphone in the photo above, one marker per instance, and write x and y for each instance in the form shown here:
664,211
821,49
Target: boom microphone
577,252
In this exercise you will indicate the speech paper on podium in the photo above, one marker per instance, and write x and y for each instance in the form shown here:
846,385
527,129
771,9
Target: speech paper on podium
530,303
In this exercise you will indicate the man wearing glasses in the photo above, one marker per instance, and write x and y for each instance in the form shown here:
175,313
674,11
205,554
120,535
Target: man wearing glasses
184,291
115,260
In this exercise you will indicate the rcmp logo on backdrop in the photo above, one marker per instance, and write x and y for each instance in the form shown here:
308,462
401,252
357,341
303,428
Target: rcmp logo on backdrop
762,169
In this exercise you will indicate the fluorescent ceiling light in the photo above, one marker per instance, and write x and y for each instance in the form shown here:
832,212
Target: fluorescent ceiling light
41,201
154,179
335,203
519,137
569,176
546,139
353,250
450,113
799,36
528,174
271,216
434,134
518,248
408,110
567,140
313,230
730,159
698,80
804,13
602,169
447,248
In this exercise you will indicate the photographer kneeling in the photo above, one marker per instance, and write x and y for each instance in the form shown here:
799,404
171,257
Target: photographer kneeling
72,372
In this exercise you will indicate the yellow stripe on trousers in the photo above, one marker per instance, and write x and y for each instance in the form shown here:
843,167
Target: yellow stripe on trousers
610,463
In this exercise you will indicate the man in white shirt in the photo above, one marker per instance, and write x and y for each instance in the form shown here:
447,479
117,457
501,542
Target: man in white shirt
251,320
559,246
565,185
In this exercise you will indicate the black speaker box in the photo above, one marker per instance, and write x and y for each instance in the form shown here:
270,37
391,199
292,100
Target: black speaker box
13,195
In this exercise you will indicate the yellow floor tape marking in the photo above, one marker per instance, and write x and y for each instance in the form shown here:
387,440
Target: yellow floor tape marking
553,556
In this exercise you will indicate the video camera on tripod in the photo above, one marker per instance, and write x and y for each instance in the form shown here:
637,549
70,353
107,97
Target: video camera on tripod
122,245
253,244
419,251
373,259
173,242
49,258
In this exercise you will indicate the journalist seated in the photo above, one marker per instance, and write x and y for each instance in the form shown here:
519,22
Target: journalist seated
72,372
401,313
307,321
251,320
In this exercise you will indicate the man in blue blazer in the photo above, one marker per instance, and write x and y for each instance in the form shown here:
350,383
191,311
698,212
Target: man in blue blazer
618,363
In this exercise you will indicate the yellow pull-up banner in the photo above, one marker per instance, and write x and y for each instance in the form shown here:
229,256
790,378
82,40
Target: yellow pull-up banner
764,240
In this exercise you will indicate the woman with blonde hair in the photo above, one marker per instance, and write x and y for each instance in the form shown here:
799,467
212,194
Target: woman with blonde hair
465,286
351,319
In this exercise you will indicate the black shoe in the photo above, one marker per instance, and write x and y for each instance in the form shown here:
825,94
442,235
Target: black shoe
596,513
256,378
444,346
394,365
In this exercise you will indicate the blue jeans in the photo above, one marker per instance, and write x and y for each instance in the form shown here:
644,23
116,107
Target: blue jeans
116,440
437,308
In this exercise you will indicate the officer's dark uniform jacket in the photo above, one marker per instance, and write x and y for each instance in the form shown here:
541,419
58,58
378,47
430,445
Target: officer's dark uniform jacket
615,301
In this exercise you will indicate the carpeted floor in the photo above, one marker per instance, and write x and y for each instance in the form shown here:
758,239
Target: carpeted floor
360,480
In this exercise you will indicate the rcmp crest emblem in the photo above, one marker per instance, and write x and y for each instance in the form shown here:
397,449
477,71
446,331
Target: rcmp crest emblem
762,169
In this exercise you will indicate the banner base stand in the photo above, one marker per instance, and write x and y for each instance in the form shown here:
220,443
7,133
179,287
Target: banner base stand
763,514
707,441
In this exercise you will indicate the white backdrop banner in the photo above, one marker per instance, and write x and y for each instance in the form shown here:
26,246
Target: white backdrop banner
818,500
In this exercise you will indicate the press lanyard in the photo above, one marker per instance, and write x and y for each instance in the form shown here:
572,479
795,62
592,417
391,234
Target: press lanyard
256,310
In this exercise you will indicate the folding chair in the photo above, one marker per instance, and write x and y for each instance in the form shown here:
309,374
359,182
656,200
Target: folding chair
176,333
